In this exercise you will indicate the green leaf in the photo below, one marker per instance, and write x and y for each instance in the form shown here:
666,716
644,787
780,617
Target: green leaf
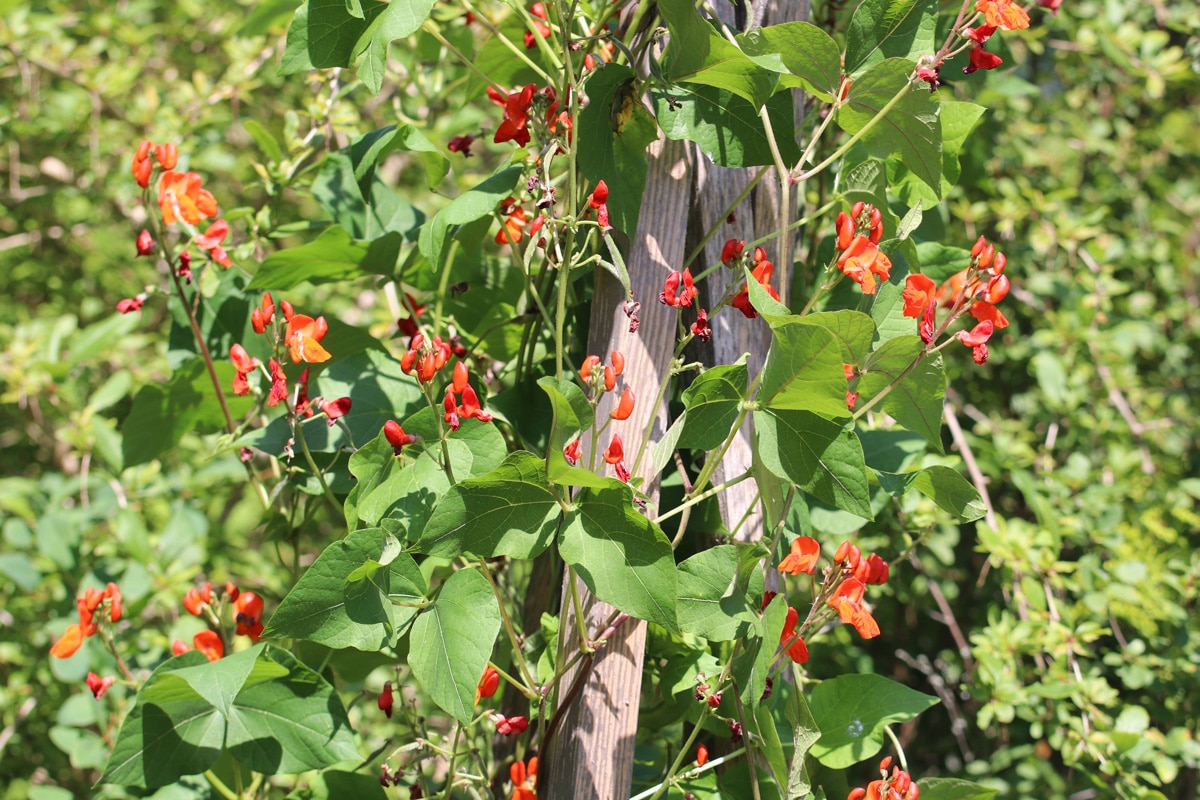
939,261
822,457
713,403
951,491
573,414
799,49
852,711
618,130
507,512
456,634
324,34
322,607
773,311
803,371
664,449
955,789
162,414
473,204
400,19
369,149
698,53
911,130
93,340
159,743
624,558
709,602
882,29
333,257
750,667
805,733
852,330
289,724
916,400
726,127
958,119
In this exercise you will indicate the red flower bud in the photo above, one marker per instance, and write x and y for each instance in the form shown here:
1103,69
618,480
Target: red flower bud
460,376
625,406
167,155
145,244
386,700
618,361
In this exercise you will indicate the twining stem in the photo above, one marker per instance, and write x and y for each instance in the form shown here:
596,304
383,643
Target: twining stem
899,749
853,140
683,752
694,499
741,712
453,761
308,459
737,201
220,786
785,210
694,773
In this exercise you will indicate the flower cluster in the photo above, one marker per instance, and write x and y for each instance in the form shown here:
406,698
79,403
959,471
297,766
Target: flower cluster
426,356
524,780
858,237
1004,15
599,378
857,573
975,290
897,786
200,601
517,105
538,12
470,407
96,606
678,289
761,270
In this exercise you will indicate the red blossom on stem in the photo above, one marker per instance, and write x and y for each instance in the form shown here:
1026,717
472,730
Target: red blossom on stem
797,650
805,552
678,290
98,685
386,700
396,436
516,114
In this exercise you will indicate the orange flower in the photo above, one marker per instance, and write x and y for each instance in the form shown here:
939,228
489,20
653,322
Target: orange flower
247,610
303,339
848,601
797,650
1004,14
919,293
488,684
197,598
209,643
625,407
69,644
511,231
803,558
986,312
180,197
862,261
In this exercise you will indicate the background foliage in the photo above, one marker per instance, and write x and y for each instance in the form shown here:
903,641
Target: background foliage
1061,637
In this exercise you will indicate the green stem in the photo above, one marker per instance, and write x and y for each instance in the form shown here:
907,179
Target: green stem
220,786
453,762
737,201
530,683
899,749
694,499
577,604
683,751
785,202
313,466
853,140
694,773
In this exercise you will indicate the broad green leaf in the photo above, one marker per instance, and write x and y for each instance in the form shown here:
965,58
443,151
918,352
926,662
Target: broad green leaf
664,449
891,450
951,491
955,789
510,511
324,34
713,403
698,53
888,308
773,311
882,29
852,711
624,558
911,129
369,149
750,667
473,204
939,261
217,683
400,19
322,607
803,372
289,724
573,414
340,194
162,414
93,340
709,600
618,130
456,635
822,457
852,330
958,119
333,257
727,128
159,743
916,398
799,49
762,724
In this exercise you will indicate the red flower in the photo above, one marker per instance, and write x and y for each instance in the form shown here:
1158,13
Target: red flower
248,610
243,364
980,36
98,685
981,59
848,602
618,361
509,726
862,261
179,647
333,409
396,436
450,405
279,388
700,327
145,244
538,11
263,315
797,650
142,167
386,700
701,755
487,684
984,311
471,408
673,295
977,340
803,557
167,155
408,326
731,251
920,292
598,200
1004,14
303,338
209,643
130,304
180,197
461,144
625,406
516,115
762,273
1052,5
510,231
573,452
587,370
197,598
211,239
615,455
524,780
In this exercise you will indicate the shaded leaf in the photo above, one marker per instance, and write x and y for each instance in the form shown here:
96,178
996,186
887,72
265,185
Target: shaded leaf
324,34
799,49
710,602
803,371
822,457
713,403
916,398
698,53
882,29
726,127
333,257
